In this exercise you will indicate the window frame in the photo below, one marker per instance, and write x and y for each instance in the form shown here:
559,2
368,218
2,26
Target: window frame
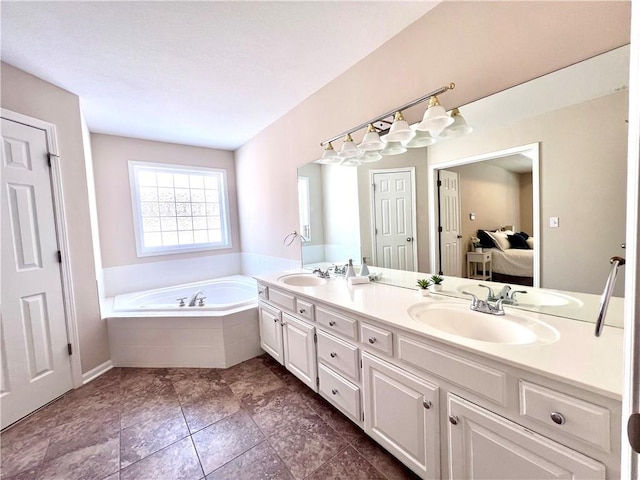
135,167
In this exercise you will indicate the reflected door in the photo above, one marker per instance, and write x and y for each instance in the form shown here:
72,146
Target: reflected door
450,230
394,216
36,367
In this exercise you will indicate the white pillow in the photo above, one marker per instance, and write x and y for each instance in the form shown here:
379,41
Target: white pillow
500,239
530,242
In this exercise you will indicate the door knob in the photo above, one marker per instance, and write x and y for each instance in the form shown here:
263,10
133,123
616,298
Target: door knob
459,236
409,239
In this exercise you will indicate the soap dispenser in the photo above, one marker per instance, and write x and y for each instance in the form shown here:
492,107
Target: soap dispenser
350,272
364,270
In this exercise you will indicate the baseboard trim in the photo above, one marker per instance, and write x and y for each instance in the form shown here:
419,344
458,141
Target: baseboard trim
96,372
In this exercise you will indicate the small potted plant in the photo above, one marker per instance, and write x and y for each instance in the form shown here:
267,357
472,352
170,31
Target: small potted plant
423,286
436,283
477,246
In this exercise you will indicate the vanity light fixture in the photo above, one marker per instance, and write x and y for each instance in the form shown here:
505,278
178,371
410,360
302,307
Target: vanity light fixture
399,131
349,149
435,118
459,126
393,143
350,162
371,141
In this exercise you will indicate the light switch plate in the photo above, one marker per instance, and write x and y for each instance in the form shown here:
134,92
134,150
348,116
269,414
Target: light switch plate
554,222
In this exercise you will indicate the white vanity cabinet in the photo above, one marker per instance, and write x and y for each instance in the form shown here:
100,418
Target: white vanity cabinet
402,415
287,338
483,445
443,411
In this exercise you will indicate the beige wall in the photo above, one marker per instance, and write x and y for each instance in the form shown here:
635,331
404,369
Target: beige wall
26,94
115,218
481,46
526,203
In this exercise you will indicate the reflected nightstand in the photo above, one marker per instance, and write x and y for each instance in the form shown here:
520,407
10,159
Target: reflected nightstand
475,260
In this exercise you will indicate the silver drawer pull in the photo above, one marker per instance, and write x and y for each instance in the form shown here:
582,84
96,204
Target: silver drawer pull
426,404
332,323
333,354
372,340
558,418
334,391
453,419
302,310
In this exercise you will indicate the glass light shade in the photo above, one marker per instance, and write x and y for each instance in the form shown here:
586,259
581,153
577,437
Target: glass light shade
399,131
369,157
435,118
371,141
349,149
422,139
459,126
350,162
329,155
393,148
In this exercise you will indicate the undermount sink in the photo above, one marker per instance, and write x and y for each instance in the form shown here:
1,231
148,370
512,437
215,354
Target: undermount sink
302,280
533,298
458,319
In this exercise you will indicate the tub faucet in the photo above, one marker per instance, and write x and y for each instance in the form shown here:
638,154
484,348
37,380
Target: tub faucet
194,298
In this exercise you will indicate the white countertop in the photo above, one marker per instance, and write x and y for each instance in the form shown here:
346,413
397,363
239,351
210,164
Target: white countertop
577,357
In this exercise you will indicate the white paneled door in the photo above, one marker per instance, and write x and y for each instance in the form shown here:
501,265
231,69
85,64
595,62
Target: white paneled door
450,236
35,363
394,220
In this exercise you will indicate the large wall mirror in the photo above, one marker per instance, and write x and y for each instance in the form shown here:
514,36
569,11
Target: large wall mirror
547,158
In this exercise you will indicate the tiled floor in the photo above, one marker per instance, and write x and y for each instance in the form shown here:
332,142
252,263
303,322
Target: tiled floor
252,421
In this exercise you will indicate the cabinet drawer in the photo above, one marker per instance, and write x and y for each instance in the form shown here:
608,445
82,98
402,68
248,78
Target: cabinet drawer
263,292
340,392
282,299
572,416
336,323
377,338
304,309
475,377
339,355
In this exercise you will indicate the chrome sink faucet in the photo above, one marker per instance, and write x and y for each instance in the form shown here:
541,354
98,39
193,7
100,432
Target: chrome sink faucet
484,306
194,298
322,274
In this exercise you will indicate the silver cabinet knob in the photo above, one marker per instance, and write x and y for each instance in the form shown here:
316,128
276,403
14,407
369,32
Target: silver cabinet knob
334,391
275,320
260,292
453,419
333,354
372,340
332,323
427,404
558,418
302,310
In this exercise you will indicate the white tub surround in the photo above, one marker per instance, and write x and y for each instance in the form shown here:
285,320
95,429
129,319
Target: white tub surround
220,334
445,405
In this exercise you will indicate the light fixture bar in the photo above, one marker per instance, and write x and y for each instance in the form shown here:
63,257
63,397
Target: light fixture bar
390,113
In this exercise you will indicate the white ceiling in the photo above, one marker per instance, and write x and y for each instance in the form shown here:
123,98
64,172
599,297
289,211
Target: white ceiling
207,73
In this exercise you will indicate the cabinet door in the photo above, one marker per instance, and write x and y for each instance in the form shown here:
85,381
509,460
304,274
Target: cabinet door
300,350
401,413
483,445
271,331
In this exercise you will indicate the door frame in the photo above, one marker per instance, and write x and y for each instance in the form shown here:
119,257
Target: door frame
531,150
414,219
68,297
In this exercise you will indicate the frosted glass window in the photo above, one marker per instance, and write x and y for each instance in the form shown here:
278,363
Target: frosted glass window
178,208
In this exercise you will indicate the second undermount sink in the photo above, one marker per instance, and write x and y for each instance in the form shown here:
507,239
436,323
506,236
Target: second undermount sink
302,280
459,320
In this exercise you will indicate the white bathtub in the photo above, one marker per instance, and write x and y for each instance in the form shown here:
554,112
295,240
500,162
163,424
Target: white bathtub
221,295
150,329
